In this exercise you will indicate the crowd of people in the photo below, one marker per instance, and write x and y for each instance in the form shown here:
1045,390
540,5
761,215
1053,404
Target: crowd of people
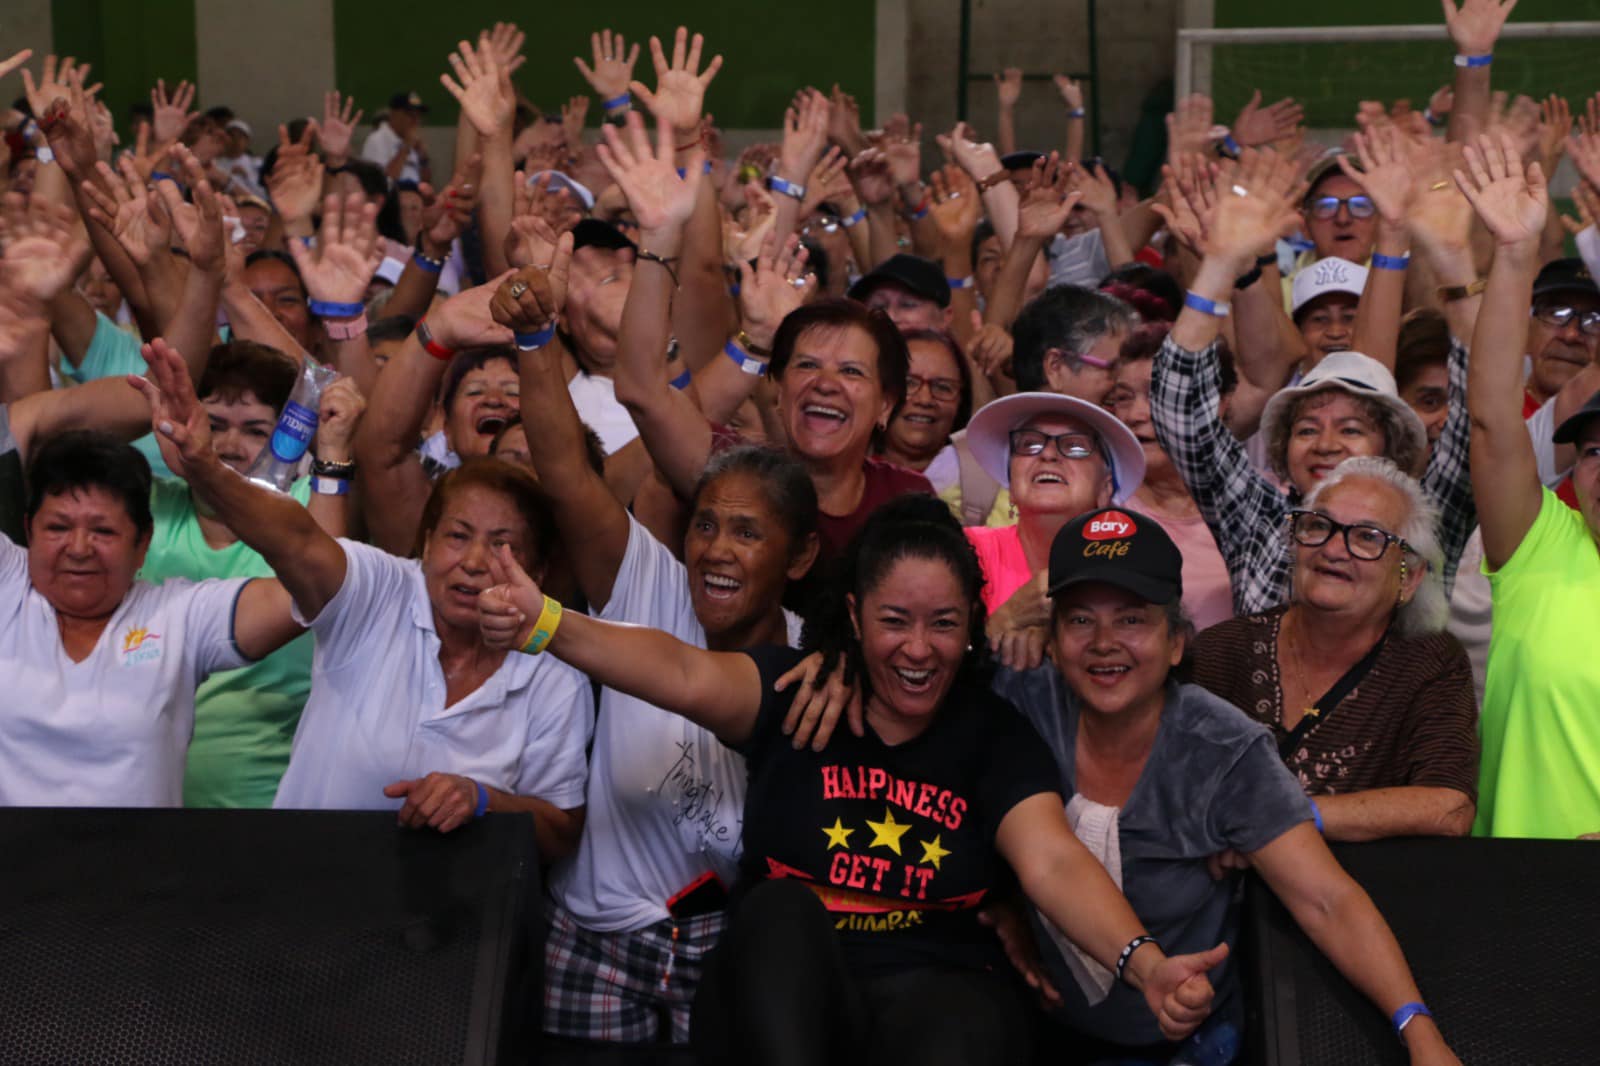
773,529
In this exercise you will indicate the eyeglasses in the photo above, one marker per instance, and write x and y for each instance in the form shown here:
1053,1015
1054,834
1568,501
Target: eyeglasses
1328,206
941,388
1313,529
1031,442
1561,317
822,224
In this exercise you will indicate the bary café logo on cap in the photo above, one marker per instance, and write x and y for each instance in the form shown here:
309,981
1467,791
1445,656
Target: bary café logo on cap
1107,534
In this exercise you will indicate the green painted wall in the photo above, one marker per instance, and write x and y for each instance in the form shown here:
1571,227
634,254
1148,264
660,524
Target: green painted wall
130,42
768,48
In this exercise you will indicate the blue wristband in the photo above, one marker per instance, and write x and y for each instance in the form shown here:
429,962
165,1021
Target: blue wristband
423,263
1403,1016
1475,61
960,283
788,188
483,800
330,309
1231,146
330,486
682,173
1210,307
919,214
1390,262
748,364
617,103
681,382
1316,814
854,220
532,342
1076,112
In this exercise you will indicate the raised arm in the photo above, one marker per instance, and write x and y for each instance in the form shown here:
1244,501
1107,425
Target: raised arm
1474,28
1007,91
982,165
489,103
1072,96
1505,477
1040,217
719,691
336,273
1440,220
1385,176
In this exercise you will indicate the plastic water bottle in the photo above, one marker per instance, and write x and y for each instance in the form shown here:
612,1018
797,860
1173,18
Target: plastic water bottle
278,465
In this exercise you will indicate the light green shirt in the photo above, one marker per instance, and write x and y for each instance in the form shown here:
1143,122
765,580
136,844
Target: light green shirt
114,352
1541,695
244,720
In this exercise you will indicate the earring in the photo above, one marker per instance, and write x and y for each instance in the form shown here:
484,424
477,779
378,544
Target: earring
1012,509
1400,593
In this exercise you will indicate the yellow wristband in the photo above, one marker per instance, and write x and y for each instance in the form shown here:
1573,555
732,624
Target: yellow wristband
544,629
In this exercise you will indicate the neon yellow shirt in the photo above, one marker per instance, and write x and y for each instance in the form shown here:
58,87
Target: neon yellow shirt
1541,699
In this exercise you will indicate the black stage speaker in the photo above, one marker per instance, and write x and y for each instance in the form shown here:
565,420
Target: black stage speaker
1503,937
271,937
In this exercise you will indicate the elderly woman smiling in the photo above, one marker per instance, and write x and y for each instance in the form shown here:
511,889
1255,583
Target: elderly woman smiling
1370,702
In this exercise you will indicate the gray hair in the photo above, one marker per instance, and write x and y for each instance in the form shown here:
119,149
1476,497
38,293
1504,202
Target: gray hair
1397,438
1428,609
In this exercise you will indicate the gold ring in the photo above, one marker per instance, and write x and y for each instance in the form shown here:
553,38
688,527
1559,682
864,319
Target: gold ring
517,289
1436,186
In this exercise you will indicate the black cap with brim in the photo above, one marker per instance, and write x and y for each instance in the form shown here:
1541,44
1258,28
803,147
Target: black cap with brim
1565,275
408,101
1020,160
1117,547
593,233
1571,429
918,276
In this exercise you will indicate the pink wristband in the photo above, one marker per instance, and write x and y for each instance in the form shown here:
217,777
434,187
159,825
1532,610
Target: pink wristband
347,329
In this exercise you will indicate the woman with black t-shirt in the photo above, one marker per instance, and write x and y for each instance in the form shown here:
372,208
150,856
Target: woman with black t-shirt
856,933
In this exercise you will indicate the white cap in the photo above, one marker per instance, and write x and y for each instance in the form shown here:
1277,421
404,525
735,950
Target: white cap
1324,276
241,125
576,189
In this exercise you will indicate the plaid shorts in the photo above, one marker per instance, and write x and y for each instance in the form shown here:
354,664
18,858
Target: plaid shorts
620,987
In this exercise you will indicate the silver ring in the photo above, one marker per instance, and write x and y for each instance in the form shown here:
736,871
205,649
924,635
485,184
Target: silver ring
1240,190
953,196
801,282
517,289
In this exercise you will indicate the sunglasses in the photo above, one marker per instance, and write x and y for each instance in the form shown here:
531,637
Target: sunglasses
1326,207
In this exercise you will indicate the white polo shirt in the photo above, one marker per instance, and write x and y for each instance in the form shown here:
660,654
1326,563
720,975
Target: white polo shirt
113,730
380,148
377,710
666,798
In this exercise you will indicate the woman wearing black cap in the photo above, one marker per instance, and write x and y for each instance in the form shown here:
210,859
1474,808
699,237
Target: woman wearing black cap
1171,785
856,929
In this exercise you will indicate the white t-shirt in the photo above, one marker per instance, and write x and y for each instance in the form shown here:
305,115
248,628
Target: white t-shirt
376,713
381,145
595,398
666,798
113,730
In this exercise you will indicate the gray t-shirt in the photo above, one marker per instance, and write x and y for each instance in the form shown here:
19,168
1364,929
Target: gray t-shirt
1213,781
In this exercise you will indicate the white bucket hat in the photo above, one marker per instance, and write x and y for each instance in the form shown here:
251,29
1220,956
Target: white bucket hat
989,436
1359,375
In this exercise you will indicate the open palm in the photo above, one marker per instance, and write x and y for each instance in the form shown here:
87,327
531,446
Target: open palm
659,197
1512,205
680,92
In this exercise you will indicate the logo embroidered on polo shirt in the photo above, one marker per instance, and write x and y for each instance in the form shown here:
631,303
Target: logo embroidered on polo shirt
139,645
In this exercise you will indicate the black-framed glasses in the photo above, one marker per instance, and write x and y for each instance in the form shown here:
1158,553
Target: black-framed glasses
1362,540
1031,442
1328,206
1560,317
941,388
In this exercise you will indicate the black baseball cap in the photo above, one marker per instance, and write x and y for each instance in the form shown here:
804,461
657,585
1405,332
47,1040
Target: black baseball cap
919,276
408,101
1570,429
1020,160
1117,547
593,233
1564,275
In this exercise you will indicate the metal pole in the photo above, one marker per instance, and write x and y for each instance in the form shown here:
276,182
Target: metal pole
1094,80
963,59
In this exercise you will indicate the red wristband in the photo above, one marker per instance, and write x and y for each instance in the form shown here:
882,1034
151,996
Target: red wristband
431,346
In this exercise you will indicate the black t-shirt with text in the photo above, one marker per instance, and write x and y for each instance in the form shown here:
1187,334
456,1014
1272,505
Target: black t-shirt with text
897,841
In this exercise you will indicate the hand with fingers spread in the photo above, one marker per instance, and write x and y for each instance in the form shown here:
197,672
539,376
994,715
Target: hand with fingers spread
440,801
1584,148
172,114
446,215
339,412
1257,125
123,206
72,139
661,200
956,207
613,66
1097,192
828,181
1048,202
742,243
43,248
539,217
1586,199
348,251
1510,202
1475,25
1439,218
844,121
295,183
574,113
199,222
508,608
1555,123
873,180
1255,205
815,709
1070,90
340,117
56,81
505,42
1008,87
777,285
1385,173
805,136
680,92
181,425
905,156
482,87
1189,127
529,300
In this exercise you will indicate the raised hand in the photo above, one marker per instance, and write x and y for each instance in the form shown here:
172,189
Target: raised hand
1442,102
659,198
1008,87
1257,125
873,180
1510,203
743,243
1189,127
505,44
56,82
1255,205
199,223
348,251
574,113
446,215
805,135
1071,92
43,252
978,159
904,154
172,112
990,347
182,427
844,121
340,117
538,217
295,182
777,284
16,60
828,181
23,322
338,414
1440,218
507,608
122,205
1587,201
1555,123
1097,191
1584,147
1475,25
484,88
529,300
680,92
1385,172
613,65
1048,201
956,206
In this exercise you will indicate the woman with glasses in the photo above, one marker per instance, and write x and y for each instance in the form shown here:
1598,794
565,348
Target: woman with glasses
1370,701
1060,457
938,403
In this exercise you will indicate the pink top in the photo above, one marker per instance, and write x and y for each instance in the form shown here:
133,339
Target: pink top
1005,566
1207,591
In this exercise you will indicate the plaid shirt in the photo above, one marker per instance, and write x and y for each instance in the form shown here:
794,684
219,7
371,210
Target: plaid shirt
1242,506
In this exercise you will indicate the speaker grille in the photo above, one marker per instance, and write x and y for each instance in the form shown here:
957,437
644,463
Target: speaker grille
243,937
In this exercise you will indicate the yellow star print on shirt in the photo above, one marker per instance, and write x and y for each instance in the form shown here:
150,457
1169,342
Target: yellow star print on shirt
838,836
932,852
888,832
